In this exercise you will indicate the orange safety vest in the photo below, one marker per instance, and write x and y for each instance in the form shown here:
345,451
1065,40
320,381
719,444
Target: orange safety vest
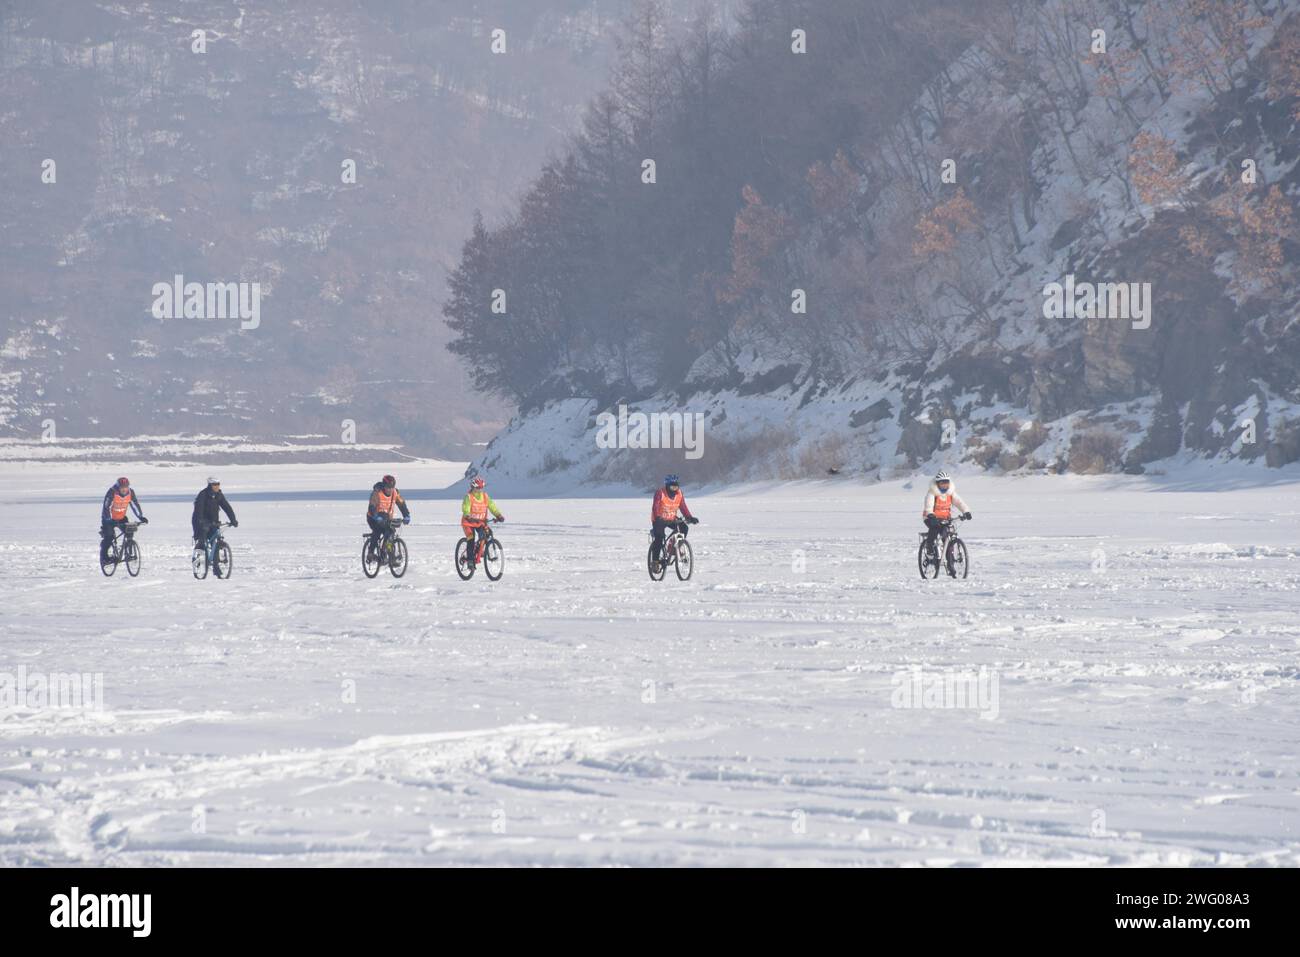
120,502
384,501
942,505
478,506
668,505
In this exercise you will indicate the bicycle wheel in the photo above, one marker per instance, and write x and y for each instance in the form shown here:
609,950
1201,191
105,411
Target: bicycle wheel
464,564
494,560
957,559
369,559
397,560
929,567
132,557
199,563
223,564
656,569
107,562
685,563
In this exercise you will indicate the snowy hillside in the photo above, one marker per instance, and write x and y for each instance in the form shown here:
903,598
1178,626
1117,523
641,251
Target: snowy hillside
1132,644
1167,162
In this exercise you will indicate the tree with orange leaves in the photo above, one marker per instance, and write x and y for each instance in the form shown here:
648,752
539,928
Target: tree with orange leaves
938,230
1154,169
758,233
1284,64
1254,228
833,186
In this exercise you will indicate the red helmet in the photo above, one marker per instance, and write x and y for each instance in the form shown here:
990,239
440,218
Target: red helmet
123,481
389,480
477,482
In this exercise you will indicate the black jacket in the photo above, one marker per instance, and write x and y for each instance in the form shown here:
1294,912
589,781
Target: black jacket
208,506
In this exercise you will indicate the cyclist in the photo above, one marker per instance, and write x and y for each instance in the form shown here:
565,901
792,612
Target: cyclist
119,497
208,506
940,498
474,510
379,513
668,501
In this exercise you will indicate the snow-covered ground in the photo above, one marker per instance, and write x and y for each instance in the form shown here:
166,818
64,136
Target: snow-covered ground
1139,640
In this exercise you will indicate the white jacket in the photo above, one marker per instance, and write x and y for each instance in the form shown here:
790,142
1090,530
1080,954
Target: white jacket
958,505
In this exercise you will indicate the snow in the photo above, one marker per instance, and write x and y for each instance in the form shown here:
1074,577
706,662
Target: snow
1141,634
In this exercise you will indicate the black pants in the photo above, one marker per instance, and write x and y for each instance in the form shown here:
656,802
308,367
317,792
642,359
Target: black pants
934,526
379,526
203,532
659,529
106,533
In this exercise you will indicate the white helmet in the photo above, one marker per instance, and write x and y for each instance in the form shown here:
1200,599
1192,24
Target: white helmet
942,476
213,481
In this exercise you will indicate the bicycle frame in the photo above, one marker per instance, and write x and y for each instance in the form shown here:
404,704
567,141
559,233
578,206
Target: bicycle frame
215,538
947,532
483,542
210,546
389,534
668,555
121,535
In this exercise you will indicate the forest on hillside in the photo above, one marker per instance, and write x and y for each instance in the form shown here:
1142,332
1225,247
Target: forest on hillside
806,149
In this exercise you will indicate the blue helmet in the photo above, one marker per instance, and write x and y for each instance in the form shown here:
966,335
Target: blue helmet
671,480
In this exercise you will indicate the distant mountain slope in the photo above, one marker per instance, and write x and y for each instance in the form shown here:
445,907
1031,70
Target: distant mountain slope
226,166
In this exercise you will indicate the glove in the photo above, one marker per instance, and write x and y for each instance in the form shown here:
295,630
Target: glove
143,520
406,520
692,521
234,524
501,518
967,516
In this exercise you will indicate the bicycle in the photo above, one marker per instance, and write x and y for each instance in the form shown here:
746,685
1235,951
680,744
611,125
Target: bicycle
956,559
214,554
490,552
124,548
390,551
677,552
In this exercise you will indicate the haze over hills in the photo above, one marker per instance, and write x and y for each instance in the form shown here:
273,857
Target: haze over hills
227,165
